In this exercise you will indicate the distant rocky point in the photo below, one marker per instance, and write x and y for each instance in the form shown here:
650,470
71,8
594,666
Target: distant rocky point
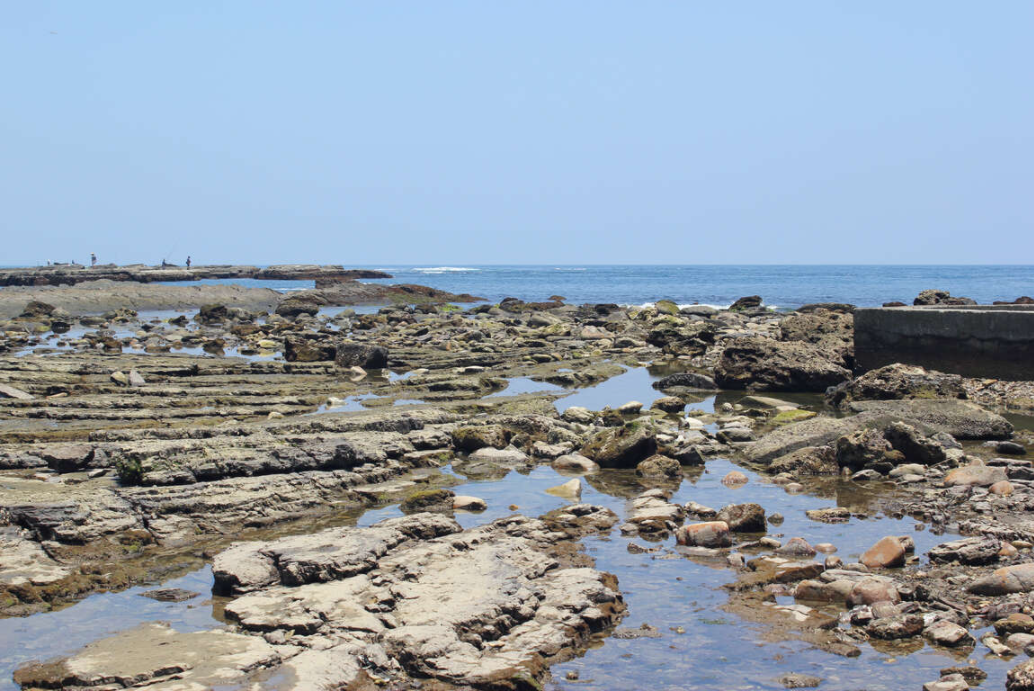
71,274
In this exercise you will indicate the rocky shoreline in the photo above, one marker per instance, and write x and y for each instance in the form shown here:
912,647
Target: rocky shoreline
73,274
253,443
98,297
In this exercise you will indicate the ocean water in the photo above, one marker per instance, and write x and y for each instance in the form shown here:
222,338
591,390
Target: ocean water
780,286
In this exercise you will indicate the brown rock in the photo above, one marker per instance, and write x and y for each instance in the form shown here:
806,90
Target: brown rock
735,478
1002,488
978,475
871,590
1008,579
888,553
709,534
744,518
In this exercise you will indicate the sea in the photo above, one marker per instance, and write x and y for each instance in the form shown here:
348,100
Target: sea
781,287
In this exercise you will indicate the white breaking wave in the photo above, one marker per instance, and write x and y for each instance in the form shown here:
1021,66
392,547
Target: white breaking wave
566,268
442,269
770,308
683,305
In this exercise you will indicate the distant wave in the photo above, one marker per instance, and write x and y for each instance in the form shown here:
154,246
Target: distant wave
566,269
442,269
684,305
770,308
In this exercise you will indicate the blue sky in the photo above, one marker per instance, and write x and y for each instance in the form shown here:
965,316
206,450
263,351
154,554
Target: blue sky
525,132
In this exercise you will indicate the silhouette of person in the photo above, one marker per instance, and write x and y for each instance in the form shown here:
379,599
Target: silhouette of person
93,259
188,262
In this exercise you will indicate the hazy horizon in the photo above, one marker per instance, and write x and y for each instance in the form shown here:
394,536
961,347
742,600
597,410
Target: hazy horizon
463,133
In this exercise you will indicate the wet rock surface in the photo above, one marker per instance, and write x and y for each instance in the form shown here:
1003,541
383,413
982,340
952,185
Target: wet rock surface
131,448
414,597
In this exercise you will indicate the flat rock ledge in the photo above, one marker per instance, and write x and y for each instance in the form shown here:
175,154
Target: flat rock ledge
412,598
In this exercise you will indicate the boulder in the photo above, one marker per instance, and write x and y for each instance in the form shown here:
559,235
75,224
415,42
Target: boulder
940,297
973,551
743,518
1002,488
666,307
428,500
470,439
1010,448
916,447
1014,623
829,306
571,489
810,460
361,355
36,311
214,314
819,431
683,339
292,308
709,534
750,302
765,364
574,462
578,414
896,627
699,311
869,591
686,380
960,419
462,502
623,447
669,404
659,467
734,433
864,448
796,547
1021,677
948,634
509,456
897,382
300,349
823,328
887,553
67,458
1006,580
975,475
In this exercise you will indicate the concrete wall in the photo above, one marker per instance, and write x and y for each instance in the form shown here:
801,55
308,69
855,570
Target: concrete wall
974,341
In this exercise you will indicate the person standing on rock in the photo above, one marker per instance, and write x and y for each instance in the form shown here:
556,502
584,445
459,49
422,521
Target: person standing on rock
188,261
93,259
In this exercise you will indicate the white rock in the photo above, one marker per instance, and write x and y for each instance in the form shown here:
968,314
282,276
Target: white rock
568,490
463,502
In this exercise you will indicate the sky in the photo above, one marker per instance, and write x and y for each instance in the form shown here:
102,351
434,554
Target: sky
453,133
